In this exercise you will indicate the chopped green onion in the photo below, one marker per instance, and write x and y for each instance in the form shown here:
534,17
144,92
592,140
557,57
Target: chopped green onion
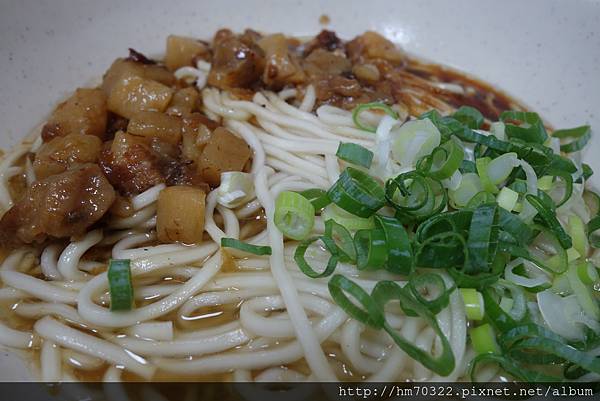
370,313
371,250
581,136
500,168
318,197
572,255
474,305
483,339
348,220
551,221
479,199
577,231
587,273
482,240
482,165
469,186
592,201
414,140
294,215
592,226
421,198
583,293
355,154
507,199
517,300
469,116
119,284
386,291
399,250
506,304
513,368
545,182
498,129
528,340
568,182
338,240
443,161
530,128
430,290
244,247
357,193
299,258
371,106
236,189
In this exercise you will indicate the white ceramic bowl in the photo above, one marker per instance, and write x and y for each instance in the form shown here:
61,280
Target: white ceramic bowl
544,52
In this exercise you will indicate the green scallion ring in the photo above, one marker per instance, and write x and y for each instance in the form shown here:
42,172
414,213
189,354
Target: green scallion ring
119,284
294,215
299,258
357,193
371,106
371,249
370,313
399,250
355,154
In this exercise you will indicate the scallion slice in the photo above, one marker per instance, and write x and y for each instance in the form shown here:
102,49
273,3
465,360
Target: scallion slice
474,305
386,291
430,290
371,249
530,127
369,312
581,136
318,197
300,259
484,339
338,240
294,215
469,116
355,154
371,106
119,284
245,247
551,221
577,231
507,199
357,193
346,219
482,240
444,161
399,250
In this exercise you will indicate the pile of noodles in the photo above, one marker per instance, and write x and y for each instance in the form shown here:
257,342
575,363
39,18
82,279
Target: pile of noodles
285,326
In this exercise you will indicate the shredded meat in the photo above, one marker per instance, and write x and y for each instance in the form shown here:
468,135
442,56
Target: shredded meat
59,206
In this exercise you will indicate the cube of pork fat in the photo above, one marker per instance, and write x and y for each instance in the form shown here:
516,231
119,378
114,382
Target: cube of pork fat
59,206
83,113
182,51
132,94
62,152
223,152
235,64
